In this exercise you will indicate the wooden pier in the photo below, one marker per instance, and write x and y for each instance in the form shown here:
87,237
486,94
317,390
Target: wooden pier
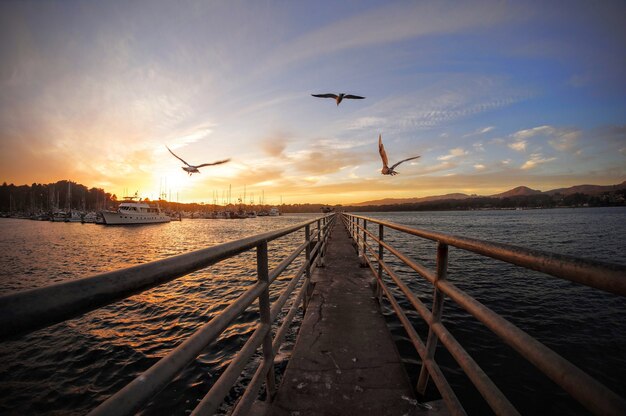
344,361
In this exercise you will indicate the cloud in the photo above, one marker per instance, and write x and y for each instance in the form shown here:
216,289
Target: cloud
367,123
565,140
479,166
456,152
392,23
519,145
437,104
528,133
274,145
479,132
535,160
562,139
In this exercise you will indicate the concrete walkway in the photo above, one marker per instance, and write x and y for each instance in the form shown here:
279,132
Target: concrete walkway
344,361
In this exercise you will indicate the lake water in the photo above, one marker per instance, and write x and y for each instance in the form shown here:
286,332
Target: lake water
71,367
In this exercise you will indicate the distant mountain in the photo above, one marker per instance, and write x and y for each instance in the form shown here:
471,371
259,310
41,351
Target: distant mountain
519,191
587,189
393,201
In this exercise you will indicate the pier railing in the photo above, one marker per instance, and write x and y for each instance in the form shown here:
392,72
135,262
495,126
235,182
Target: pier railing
27,311
582,387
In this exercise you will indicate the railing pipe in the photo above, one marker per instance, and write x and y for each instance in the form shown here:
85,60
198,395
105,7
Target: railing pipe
282,266
450,398
581,386
250,394
307,280
265,319
600,275
381,252
130,398
576,382
211,401
437,310
33,309
494,397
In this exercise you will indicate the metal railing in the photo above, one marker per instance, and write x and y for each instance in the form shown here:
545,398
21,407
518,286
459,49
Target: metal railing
586,390
27,311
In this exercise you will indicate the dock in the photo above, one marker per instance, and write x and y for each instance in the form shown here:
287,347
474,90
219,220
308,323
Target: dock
344,361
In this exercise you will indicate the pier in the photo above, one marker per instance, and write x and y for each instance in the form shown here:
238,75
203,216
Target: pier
344,361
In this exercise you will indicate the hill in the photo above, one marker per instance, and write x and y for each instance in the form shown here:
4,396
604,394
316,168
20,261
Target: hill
394,201
519,191
587,189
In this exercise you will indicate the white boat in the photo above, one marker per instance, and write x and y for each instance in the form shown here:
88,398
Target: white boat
134,212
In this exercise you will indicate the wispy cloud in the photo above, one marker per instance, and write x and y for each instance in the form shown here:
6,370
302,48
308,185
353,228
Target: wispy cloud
562,139
393,23
519,145
479,132
535,160
453,153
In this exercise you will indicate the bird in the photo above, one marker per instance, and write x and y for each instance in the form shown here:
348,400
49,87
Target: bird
338,97
386,170
190,169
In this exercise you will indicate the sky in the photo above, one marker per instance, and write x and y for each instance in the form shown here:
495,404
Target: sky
491,94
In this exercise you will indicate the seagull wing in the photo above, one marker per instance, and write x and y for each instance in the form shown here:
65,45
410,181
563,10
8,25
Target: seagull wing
381,150
354,97
178,157
405,160
325,96
219,162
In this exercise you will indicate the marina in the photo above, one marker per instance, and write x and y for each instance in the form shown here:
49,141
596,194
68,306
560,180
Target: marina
329,359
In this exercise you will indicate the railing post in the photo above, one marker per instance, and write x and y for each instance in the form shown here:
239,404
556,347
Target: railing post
356,236
307,280
381,250
318,261
431,342
264,310
362,258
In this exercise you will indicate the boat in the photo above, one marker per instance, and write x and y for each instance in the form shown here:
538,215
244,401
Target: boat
59,216
274,212
135,212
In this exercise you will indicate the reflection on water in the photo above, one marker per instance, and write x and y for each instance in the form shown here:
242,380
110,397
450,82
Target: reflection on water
71,367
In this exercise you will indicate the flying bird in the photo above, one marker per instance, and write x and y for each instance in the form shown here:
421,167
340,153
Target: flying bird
383,155
338,97
194,169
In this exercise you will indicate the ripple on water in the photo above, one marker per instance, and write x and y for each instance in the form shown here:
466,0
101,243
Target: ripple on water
71,367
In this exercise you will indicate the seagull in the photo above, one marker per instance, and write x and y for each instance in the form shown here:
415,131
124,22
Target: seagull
194,169
383,155
338,97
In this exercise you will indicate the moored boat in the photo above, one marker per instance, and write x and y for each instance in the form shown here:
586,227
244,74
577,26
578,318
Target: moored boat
135,212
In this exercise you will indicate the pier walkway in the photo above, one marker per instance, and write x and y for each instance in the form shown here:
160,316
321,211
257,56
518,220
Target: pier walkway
344,361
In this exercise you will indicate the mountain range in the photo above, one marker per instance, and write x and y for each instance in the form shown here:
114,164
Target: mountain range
517,191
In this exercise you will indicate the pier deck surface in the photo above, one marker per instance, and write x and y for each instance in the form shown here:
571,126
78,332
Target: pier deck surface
344,361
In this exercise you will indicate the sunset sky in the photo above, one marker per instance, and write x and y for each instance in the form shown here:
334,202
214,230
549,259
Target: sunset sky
491,94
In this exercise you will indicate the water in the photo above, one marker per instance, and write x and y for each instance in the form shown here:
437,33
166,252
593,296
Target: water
586,327
71,367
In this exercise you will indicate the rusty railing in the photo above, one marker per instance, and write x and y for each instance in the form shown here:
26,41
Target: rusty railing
30,310
582,387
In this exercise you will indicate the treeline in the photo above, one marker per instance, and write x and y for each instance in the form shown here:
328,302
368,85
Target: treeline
49,197
616,198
